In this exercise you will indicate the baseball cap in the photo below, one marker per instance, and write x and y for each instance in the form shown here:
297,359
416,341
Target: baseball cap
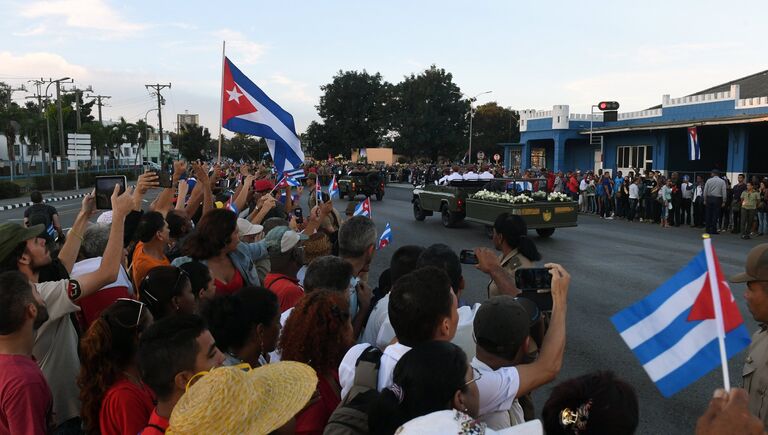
246,228
455,422
263,185
502,323
756,268
282,240
11,234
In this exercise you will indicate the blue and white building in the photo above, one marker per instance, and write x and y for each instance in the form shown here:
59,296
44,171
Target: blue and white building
731,121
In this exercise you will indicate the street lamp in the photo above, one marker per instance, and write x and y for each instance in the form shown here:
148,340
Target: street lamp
471,116
146,137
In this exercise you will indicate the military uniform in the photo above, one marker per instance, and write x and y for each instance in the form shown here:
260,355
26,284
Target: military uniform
755,374
510,262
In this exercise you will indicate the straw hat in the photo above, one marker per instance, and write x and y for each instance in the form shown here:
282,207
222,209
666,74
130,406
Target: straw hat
235,401
318,245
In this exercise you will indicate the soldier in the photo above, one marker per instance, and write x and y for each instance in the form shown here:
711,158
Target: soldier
755,372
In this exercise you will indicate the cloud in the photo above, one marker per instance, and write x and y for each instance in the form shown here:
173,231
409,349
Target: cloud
82,14
33,31
247,52
40,64
294,90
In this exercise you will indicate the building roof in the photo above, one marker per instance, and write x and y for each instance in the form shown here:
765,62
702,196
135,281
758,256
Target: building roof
755,85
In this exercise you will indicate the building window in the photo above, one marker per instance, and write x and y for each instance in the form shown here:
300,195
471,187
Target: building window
538,157
630,158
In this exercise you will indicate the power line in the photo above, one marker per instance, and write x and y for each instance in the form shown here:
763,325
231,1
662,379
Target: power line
99,103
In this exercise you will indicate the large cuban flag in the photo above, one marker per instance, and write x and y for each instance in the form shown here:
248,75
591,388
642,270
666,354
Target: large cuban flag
673,331
247,109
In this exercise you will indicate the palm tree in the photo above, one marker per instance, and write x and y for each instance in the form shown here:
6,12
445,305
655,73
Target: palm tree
143,130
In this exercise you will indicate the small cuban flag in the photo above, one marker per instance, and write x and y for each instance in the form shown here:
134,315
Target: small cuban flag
685,328
333,188
318,193
231,205
386,237
364,208
289,182
694,152
51,231
298,174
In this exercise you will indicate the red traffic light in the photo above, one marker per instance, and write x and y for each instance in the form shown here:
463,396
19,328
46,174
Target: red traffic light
608,105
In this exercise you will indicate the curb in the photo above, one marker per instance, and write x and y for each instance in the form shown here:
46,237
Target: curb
27,204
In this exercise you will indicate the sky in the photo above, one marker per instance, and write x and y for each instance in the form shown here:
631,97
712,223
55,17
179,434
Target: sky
531,55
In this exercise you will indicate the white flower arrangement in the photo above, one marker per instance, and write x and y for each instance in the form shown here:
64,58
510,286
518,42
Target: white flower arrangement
558,197
486,195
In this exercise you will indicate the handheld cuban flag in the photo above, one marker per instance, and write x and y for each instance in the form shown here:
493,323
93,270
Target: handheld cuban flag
51,231
678,333
231,205
694,153
318,193
364,208
247,109
289,182
333,188
298,174
386,237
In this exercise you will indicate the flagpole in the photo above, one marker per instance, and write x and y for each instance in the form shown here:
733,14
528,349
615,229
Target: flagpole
714,287
221,94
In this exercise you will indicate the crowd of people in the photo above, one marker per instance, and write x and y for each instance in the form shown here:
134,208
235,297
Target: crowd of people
217,308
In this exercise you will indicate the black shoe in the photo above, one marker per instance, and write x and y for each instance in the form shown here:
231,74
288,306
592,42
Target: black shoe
745,237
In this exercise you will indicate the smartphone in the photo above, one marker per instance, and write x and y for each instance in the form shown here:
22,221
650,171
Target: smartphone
105,186
164,177
299,215
467,256
533,278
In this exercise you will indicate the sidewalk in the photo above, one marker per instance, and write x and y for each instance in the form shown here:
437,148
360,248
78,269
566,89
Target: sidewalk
24,201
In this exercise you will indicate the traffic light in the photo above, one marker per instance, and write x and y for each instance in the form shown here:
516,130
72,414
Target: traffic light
608,105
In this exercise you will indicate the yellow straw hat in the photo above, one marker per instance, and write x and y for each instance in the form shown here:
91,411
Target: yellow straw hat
230,400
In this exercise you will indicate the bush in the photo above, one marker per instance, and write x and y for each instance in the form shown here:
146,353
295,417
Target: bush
67,181
9,190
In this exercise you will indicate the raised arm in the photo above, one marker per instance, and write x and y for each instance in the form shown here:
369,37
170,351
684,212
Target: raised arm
550,360
68,252
488,263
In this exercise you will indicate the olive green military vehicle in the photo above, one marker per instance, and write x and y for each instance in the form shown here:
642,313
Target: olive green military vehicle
482,201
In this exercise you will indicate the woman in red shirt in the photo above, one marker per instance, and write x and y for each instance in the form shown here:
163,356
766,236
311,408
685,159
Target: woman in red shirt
319,333
114,399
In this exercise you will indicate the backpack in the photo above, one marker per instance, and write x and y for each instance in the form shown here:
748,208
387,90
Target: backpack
351,416
39,214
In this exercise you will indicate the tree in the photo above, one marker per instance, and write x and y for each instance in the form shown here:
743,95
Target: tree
241,146
193,142
429,116
355,108
492,125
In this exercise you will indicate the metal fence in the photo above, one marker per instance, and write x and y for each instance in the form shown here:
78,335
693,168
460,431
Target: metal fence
25,171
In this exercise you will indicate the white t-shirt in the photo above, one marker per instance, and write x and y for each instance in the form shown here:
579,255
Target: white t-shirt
92,264
471,176
463,338
56,350
379,315
486,176
454,176
389,359
634,190
498,391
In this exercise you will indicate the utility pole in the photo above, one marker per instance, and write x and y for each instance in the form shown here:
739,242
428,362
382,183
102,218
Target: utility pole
157,88
99,103
11,154
48,126
78,99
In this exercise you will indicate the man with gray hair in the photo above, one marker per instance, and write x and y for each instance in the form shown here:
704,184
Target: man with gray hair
95,238
357,244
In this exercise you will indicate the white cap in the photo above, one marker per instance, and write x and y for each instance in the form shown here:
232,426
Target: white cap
105,218
246,228
454,422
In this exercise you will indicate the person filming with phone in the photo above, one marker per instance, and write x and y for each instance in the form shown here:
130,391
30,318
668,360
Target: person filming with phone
510,236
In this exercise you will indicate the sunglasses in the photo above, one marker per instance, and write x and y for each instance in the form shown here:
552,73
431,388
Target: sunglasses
141,309
477,376
174,289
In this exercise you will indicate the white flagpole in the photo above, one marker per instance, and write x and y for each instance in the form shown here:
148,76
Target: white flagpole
221,95
715,287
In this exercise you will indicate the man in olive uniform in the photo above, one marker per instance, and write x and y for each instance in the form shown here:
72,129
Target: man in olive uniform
755,372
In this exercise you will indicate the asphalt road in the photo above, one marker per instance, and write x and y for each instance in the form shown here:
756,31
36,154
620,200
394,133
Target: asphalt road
612,263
